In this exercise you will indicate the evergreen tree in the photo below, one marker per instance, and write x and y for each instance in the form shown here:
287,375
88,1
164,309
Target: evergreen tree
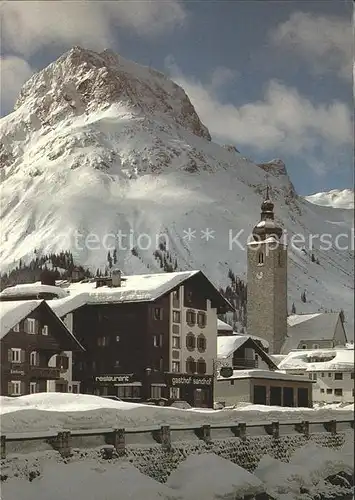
114,256
303,296
293,309
109,259
342,316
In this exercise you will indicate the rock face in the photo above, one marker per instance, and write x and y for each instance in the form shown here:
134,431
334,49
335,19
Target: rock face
82,81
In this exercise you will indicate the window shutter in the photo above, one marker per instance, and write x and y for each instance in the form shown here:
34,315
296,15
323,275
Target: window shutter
23,388
66,362
23,356
36,326
10,388
57,361
37,359
25,326
9,356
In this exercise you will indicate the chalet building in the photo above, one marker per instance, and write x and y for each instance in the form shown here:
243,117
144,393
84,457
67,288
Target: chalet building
247,374
332,371
314,331
31,334
242,352
225,330
148,337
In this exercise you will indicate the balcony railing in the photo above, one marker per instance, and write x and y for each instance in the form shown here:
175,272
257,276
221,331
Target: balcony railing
242,364
46,372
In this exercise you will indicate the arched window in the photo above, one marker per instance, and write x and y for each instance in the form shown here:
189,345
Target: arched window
201,366
190,341
201,343
190,365
261,258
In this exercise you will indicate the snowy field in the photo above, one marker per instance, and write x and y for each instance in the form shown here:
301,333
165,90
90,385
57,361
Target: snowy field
57,411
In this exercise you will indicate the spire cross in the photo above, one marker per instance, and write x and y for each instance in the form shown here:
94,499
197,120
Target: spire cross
267,187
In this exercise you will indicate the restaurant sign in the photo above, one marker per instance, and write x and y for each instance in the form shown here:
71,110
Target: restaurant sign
189,380
115,379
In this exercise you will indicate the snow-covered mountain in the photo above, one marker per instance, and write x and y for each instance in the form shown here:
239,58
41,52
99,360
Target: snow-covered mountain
337,198
97,145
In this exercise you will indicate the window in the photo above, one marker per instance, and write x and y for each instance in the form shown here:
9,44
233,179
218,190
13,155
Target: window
62,362
175,392
128,392
102,341
161,364
338,392
176,342
176,298
338,376
33,387
201,343
191,318
75,389
117,338
261,258
16,328
14,388
30,326
322,391
329,375
117,363
176,317
158,340
352,375
176,329
175,366
201,319
16,355
232,382
322,375
315,346
158,313
34,358
190,342
329,391
304,346
201,366
314,376
190,365
45,330
155,392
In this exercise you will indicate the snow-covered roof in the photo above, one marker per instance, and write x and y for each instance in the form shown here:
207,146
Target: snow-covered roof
221,326
13,311
336,359
62,307
227,344
256,373
303,327
32,289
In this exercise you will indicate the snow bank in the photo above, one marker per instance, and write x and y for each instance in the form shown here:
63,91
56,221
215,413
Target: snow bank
57,411
194,479
89,480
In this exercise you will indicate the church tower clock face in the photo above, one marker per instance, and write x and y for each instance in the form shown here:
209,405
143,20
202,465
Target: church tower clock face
259,275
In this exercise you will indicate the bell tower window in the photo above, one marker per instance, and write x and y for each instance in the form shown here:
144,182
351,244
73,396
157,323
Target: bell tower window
261,258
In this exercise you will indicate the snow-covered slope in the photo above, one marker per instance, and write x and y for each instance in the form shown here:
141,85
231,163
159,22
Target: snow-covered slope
98,145
337,198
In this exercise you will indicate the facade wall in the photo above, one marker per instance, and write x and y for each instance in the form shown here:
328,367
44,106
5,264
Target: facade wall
232,392
267,294
325,389
315,344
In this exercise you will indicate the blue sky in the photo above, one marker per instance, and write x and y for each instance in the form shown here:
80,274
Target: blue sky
272,78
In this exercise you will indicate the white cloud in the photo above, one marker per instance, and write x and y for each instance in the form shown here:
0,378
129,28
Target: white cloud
14,72
326,43
282,121
27,26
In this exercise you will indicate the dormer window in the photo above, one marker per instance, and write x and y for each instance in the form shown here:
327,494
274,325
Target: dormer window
30,326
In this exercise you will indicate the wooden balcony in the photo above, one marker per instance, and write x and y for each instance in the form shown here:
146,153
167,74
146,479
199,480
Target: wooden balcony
45,372
244,364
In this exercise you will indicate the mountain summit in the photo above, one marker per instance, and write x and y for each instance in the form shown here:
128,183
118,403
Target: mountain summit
99,146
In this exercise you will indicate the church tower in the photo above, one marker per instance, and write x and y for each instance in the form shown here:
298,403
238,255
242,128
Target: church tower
267,280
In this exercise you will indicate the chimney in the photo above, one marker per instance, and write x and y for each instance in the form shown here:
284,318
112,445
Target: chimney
116,278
